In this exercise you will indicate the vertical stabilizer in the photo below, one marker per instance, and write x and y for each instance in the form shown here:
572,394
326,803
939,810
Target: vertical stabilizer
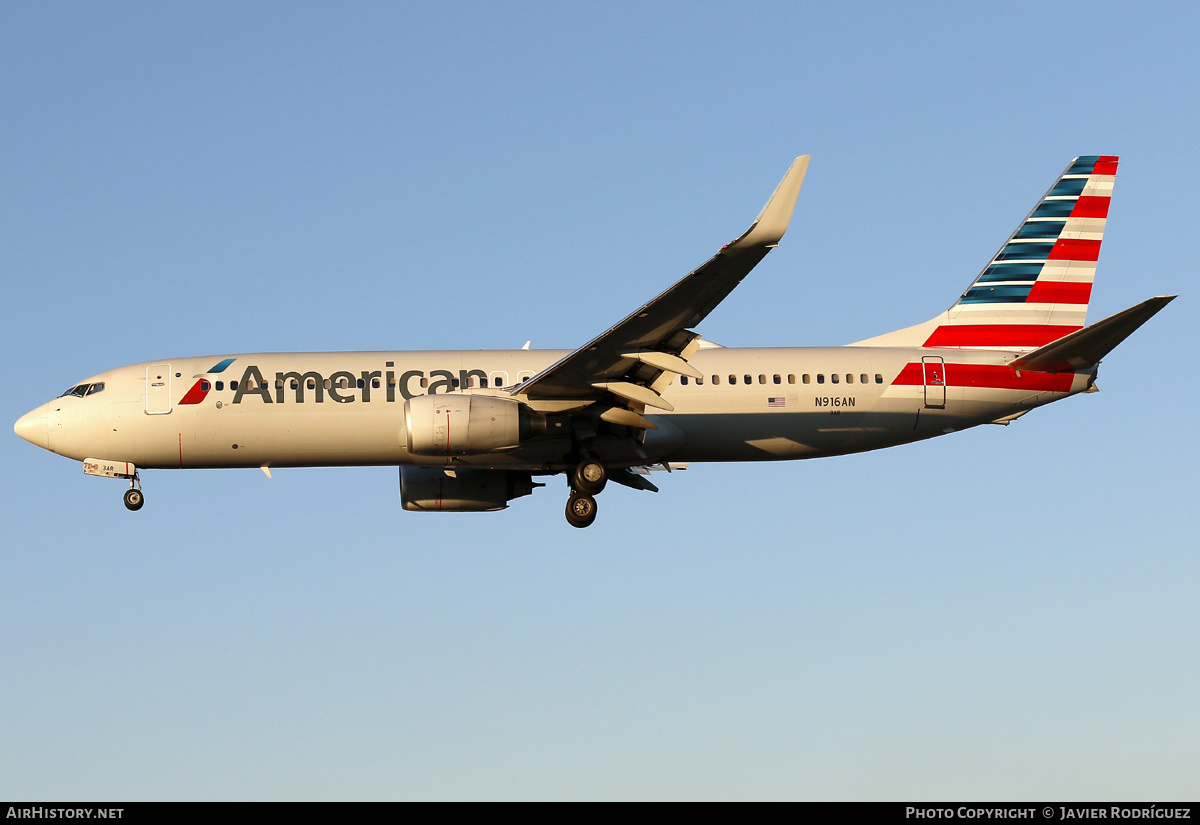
1037,286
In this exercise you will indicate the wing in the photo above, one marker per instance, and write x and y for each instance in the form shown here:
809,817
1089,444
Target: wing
631,363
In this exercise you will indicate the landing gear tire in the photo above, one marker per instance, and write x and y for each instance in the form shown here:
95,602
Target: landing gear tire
134,498
581,509
589,477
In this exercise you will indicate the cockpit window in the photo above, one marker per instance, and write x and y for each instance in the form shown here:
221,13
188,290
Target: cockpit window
80,390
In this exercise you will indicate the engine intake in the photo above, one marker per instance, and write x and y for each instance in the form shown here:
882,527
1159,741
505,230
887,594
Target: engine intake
429,489
460,424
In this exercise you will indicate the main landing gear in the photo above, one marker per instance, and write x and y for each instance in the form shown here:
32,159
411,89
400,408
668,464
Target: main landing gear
587,480
581,509
589,477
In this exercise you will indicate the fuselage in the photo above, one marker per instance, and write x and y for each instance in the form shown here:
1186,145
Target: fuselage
347,408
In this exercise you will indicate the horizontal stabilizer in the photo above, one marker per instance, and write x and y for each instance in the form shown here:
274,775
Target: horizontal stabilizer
1085,347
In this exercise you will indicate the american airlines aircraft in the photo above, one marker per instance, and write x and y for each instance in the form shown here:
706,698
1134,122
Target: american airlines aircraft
470,430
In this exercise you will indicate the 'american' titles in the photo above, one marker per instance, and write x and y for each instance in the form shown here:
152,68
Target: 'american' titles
296,387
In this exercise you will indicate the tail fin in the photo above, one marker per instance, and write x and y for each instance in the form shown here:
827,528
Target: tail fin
1036,288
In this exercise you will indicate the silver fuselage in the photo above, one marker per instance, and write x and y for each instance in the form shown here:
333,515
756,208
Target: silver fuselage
340,409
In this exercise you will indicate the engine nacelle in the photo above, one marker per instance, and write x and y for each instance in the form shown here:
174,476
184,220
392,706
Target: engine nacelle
429,489
460,424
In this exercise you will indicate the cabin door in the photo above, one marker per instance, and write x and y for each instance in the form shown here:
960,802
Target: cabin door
934,369
158,389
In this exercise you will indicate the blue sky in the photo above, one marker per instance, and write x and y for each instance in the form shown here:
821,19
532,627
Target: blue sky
1009,613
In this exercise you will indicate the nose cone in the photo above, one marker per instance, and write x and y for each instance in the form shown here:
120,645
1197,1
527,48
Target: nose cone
34,428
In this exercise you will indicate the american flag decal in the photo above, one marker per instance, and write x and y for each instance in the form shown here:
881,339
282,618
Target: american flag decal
776,401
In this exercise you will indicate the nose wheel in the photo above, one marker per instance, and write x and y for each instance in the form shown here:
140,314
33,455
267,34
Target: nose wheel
134,498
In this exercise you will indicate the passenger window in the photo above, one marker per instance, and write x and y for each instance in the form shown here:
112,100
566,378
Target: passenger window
762,379
733,379
375,383
220,385
746,378
792,379
807,379
862,379
233,384
326,383
699,381
716,380
849,378
205,386
360,383
820,378
424,382
878,378
833,378
683,379
777,379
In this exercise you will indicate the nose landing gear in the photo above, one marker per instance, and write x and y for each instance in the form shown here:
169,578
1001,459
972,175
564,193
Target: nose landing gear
134,498
106,468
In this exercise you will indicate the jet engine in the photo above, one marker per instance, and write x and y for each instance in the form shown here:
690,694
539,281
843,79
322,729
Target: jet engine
460,424
429,489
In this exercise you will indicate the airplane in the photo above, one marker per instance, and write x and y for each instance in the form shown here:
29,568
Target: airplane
471,430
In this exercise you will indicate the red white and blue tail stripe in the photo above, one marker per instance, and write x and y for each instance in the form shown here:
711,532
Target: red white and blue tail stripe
1037,286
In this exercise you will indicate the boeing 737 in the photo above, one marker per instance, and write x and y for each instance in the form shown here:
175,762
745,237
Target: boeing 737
471,430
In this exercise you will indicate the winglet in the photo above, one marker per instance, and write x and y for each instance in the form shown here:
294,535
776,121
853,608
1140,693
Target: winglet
772,222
